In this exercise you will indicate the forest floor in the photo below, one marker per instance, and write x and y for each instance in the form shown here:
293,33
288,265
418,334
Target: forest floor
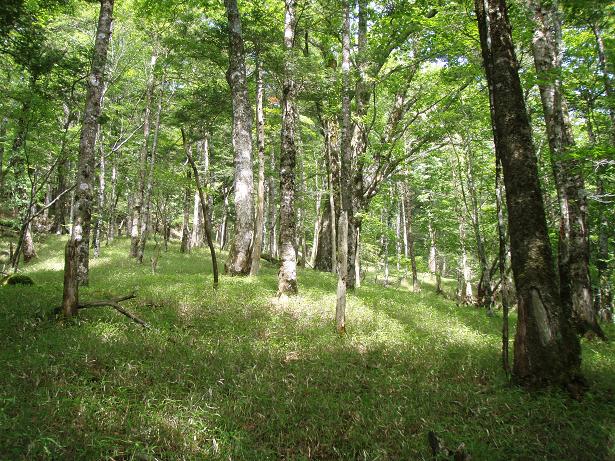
229,374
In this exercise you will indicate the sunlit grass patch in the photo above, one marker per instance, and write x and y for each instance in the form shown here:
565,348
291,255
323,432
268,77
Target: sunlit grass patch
231,373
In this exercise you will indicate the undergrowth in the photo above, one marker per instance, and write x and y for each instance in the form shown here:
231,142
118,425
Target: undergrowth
229,374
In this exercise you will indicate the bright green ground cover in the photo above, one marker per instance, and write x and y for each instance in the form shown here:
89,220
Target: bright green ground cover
245,379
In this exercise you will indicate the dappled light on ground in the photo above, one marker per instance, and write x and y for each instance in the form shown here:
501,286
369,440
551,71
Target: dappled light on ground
231,374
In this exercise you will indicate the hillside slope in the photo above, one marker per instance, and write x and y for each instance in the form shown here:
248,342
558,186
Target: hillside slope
229,374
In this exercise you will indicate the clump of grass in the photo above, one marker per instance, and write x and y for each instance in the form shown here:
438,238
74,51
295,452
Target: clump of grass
229,374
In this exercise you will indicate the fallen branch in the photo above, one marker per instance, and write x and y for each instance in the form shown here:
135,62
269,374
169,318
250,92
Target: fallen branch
114,303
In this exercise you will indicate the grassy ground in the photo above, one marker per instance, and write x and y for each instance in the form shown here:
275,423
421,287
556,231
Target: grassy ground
230,375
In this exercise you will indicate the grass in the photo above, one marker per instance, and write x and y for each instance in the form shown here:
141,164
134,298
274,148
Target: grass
229,374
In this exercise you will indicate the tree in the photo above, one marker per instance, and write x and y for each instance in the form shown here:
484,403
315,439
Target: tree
546,349
77,248
238,262
573,255
287,277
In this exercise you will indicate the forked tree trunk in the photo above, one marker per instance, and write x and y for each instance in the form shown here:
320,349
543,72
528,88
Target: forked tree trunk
238,261
77,250
257,247
573,255
547,351
287,276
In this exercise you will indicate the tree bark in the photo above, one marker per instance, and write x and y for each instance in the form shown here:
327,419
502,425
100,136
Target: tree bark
204,206
547,351
185,243
407,211
257,246
502,266
151,162
345,178
287,276
77,252
606,76
573,254
137,218
238,262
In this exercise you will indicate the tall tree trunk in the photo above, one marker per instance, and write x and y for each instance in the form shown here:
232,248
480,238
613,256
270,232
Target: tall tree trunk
271,208
604,296
203,201
139,201
185,244
238,262
502,265
195,239
326,253
345,178
606,76
77,248
384,243
432,261
318,223
407,208
464,292
547,351
573,255
484,290
287,276
112,221
147,198
257,247
101,195
3,124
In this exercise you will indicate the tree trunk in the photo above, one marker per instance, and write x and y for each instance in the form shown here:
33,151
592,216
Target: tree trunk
112,222
151,162
573,255
101,196
287,277
502,266
29,251
257,247
185,244
606,75
407,209
238,262
546,349
464,291
137,218
77,251
3,124
326,253
345,177
204,203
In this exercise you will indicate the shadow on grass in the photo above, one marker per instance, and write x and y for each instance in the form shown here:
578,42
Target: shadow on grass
245,379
